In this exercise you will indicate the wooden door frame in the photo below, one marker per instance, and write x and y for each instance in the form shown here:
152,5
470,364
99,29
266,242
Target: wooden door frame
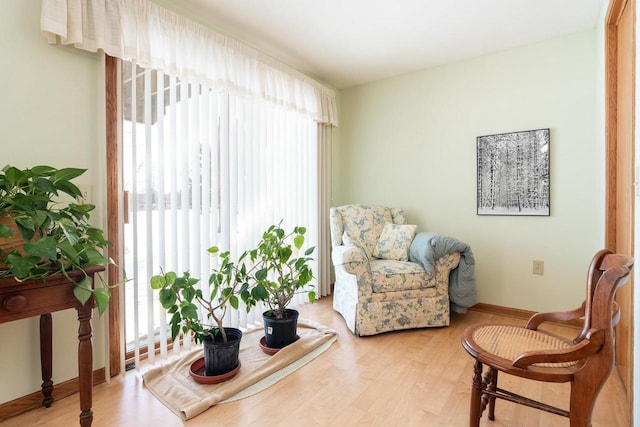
113,212
611,117
614,13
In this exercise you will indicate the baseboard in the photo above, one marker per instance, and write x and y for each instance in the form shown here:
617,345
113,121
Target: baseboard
34,400
517,313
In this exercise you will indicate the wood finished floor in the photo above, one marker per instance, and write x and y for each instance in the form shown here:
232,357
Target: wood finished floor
409,378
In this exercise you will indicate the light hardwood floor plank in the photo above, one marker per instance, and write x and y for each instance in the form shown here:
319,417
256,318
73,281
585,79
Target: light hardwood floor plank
404,378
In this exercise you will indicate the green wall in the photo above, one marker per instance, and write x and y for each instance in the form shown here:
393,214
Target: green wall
51,110
410,142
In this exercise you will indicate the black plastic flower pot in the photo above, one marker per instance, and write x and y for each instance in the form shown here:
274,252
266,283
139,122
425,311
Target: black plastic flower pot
280,333
222,357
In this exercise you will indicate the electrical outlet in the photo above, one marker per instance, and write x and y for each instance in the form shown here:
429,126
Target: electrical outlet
87,192
538,267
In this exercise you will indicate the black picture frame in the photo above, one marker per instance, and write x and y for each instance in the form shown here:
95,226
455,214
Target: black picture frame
514,173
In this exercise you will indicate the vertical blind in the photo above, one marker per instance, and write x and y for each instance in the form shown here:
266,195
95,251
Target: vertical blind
204,167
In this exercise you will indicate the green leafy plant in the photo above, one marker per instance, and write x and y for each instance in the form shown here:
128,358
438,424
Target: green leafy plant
278,273
53,236
181,296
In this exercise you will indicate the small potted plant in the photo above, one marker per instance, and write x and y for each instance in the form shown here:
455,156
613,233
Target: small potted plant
42,235
278,275
182,297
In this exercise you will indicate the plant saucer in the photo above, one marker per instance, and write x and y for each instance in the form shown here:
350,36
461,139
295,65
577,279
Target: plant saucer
269,350
197,373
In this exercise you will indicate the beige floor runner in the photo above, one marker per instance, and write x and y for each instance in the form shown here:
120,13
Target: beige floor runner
174,387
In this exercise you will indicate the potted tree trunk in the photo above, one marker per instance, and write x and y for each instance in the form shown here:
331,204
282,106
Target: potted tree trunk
182,297
45,229
279,274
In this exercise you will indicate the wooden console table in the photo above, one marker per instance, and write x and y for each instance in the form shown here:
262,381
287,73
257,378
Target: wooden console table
19,300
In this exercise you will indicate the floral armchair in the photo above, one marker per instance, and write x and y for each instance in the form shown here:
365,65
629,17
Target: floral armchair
377,289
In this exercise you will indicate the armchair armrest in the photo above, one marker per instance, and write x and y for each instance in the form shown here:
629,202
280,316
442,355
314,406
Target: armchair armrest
559,316
591,344
345,254
352,258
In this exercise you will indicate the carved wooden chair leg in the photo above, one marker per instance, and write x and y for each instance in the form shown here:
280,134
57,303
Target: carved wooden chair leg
492,386
581,403
476,395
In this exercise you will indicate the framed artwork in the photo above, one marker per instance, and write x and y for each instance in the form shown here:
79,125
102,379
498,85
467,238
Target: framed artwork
513,173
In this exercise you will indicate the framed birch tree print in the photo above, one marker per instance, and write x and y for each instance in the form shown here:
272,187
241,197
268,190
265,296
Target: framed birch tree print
513,173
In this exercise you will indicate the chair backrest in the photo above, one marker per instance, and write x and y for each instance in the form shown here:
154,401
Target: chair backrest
363,223
593,275
600,308
615,269
608,271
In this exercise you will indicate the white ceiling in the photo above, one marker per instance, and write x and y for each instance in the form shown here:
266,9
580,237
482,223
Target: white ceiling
350,42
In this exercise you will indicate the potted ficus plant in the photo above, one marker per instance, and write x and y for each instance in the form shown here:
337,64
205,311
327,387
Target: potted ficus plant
42,234
183,297
279,274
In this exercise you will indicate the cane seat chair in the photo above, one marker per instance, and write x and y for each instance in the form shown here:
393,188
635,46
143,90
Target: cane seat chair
535,354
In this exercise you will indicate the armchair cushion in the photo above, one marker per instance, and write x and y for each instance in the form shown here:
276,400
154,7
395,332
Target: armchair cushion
363,223
394,276
394,242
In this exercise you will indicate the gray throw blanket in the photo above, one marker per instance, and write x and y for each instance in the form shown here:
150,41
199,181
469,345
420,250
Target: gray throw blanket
426,248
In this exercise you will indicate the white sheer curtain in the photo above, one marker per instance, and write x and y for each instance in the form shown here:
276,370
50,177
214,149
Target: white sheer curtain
220,140
324,200
160,39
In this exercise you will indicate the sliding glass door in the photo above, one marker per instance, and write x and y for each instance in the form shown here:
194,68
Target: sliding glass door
204,166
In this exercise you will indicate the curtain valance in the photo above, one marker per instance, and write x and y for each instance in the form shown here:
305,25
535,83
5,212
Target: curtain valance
160,39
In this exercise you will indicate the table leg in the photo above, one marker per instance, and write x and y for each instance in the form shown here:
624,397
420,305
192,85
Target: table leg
85,363
45,358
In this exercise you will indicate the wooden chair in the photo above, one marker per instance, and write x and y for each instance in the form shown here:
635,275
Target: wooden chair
529,352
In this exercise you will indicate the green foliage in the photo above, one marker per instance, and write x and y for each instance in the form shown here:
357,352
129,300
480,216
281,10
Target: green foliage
181,296
279,274
57,235
270,273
